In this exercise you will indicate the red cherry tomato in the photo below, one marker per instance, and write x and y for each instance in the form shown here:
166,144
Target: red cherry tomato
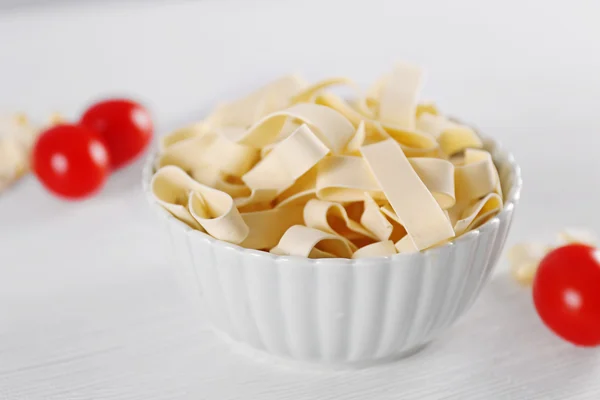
124,125
71,161
566,293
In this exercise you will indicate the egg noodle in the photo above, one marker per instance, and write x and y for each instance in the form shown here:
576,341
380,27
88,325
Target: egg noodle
17,136
295,169
525,257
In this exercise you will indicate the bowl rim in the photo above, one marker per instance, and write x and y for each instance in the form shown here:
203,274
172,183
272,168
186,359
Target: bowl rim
511,200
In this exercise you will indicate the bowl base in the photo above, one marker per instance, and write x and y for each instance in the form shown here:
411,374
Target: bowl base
284,361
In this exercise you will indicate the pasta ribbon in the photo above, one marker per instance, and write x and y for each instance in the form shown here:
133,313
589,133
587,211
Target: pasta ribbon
303,241
295,169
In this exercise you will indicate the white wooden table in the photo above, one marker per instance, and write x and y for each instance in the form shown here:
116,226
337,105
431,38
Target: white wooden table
88,304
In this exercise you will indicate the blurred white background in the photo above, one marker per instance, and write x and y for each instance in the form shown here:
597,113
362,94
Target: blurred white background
87,305
525,71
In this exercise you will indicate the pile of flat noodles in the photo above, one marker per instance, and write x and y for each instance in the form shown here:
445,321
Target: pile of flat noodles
296,170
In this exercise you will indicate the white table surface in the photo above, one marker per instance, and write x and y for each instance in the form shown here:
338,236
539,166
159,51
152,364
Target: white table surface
88,304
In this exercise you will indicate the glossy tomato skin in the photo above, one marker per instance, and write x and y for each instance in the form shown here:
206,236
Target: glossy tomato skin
125,126
71,161
566,293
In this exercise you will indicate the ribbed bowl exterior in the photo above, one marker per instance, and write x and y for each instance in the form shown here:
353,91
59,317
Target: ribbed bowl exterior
338,311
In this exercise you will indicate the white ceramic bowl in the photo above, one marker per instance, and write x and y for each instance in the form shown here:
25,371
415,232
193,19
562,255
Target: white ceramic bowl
339,311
